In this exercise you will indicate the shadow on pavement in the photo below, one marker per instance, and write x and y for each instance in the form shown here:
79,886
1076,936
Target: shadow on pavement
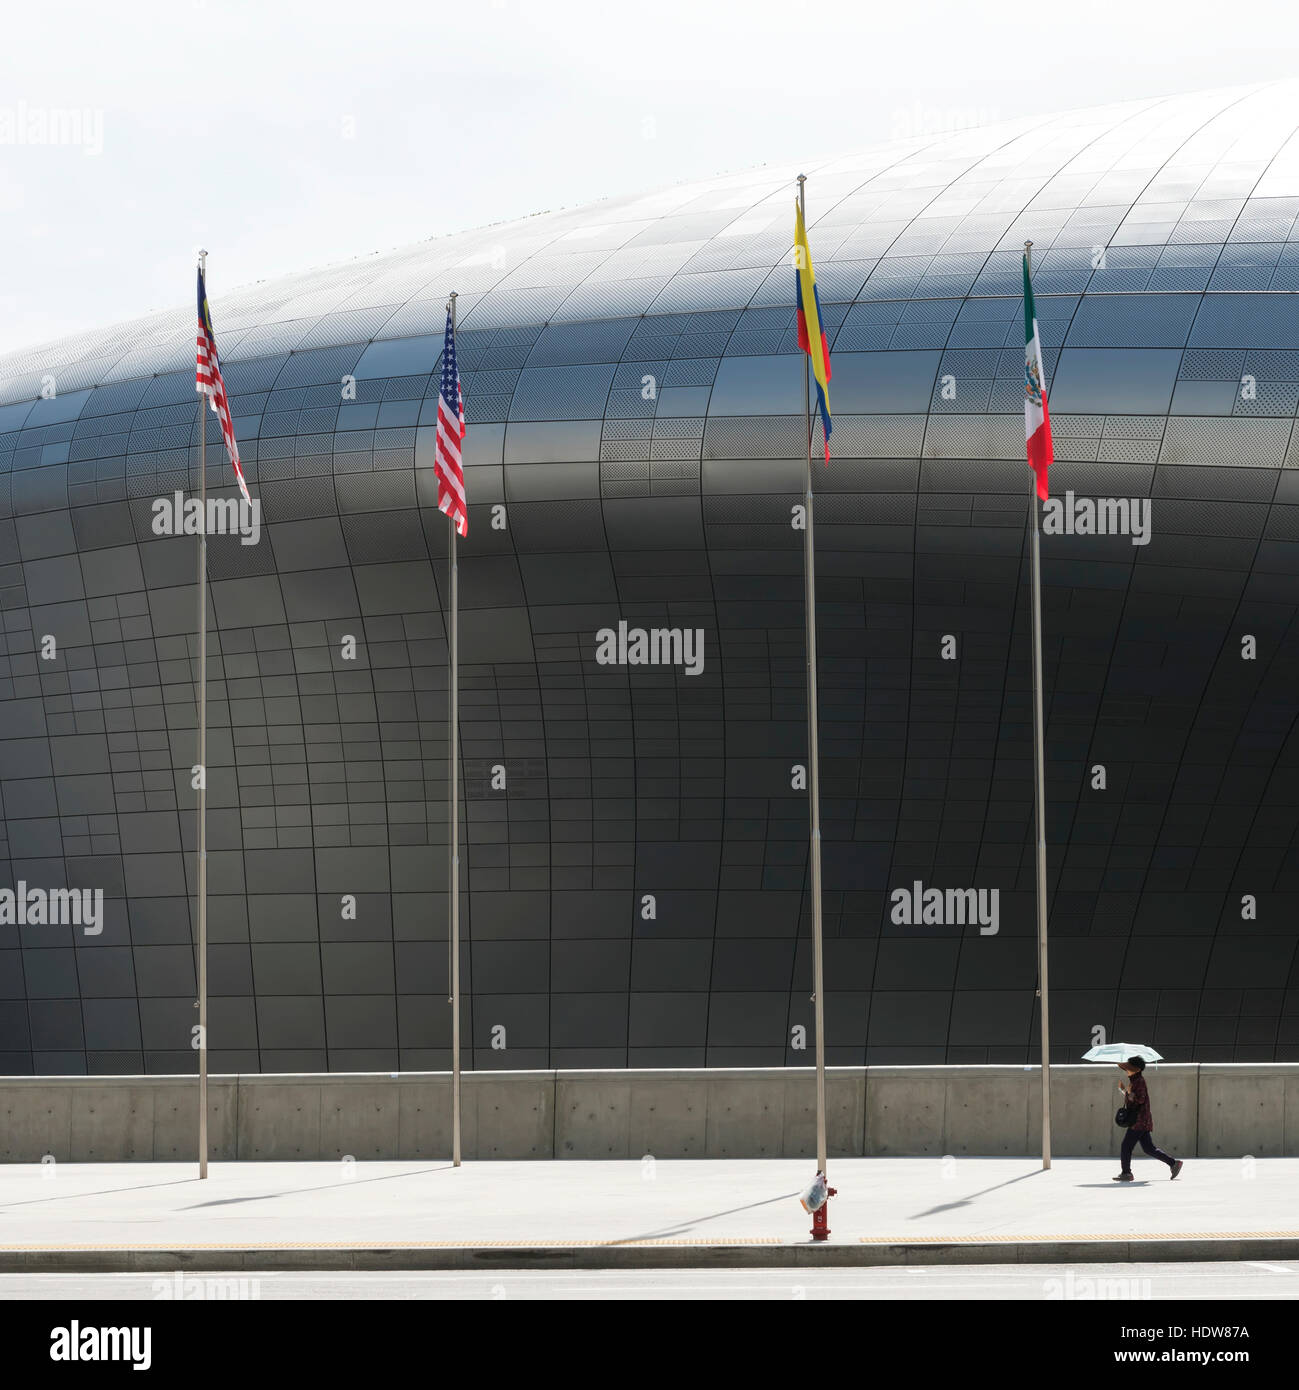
323,1187
105,1192
695,1221
966,1201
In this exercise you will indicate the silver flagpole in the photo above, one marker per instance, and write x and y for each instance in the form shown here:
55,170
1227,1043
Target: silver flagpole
453,754
814,769
202,764
1039,783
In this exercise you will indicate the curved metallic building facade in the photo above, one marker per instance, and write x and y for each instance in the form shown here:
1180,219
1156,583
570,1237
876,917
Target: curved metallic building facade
636,841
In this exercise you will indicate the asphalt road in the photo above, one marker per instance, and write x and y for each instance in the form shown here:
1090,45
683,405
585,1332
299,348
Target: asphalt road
1247,1280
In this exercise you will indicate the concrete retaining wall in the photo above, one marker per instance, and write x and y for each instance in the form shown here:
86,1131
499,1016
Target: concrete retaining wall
1209,1110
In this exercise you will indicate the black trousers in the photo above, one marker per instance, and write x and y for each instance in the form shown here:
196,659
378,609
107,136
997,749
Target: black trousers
1140,1136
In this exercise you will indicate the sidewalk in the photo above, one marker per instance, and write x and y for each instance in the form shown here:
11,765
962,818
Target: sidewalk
88,1217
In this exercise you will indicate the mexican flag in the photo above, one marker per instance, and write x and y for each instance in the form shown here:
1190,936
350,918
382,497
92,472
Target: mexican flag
1037,423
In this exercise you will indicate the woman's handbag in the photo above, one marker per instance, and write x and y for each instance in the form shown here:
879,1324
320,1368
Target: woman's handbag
1126,1116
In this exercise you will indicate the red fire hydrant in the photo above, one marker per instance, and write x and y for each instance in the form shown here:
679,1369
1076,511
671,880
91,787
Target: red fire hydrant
821,1216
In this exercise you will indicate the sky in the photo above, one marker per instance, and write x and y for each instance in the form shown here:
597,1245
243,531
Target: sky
283,136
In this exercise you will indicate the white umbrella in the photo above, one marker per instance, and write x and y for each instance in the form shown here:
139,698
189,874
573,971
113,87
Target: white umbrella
1120,1052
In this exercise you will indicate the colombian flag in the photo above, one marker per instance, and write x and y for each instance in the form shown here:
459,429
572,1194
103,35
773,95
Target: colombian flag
1037,419
811,336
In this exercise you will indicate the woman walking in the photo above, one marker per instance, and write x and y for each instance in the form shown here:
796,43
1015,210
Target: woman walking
1140,1129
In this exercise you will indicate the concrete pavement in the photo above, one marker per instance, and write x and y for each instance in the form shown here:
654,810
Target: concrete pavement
647,1213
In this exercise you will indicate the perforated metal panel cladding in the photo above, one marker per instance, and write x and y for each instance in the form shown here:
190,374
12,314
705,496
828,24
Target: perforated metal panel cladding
636,455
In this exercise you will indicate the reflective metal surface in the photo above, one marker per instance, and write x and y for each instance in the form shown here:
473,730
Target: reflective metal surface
634,400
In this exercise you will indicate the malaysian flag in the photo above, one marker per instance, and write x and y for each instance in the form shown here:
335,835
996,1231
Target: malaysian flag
451,432
208,382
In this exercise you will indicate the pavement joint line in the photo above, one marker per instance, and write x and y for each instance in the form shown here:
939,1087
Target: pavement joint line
390,1244
1027,1237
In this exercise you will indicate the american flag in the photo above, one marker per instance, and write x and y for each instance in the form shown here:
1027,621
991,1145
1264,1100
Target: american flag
208,382
451,432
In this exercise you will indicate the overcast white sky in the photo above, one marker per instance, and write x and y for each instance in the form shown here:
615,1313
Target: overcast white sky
288,135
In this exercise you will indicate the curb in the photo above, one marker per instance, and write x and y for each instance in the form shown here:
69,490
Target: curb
646,1255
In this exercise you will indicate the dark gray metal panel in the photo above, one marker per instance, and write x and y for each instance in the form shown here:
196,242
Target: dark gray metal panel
1114,381
634,396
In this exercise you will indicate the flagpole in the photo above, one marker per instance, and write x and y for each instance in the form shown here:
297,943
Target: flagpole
454,867
814,770
1039,789
202,765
